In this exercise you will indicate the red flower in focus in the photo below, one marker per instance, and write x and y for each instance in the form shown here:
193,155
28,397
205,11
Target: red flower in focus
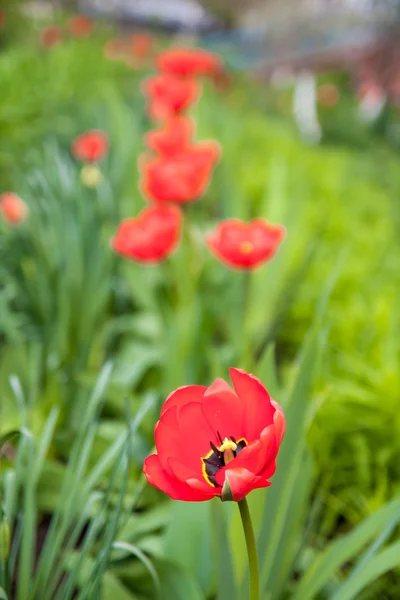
174,136
245,245
181,177
141,45
216,441
80,26
151,236
189,62
169,95
91,146
51,36
13,209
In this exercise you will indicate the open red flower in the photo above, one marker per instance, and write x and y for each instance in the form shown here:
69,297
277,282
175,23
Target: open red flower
245,245
181,177
91,146
216,441
13,210
51,36
151,236
169,95
80,26
173,137
189,62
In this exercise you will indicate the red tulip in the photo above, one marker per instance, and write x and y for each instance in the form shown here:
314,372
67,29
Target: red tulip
141,45
169,95
13,210
51,36
245,245
216,441
80,26
151,236
91,146
181,177
187,62
174,136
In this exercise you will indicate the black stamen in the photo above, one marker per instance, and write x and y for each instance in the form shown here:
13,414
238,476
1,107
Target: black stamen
214,449
209,461
215,460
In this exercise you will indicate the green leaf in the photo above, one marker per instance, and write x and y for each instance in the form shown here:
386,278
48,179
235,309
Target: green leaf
385,561
289,463
226,576
135,551
176,582
188,540
3,595
344,549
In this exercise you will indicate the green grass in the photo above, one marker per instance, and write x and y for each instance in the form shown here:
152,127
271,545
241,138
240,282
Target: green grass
68,306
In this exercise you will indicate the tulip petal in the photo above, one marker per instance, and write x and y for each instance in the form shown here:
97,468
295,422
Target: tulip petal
171,486
190,477
259,411
242,482
183,395
223,410
183,433
256,457
269,470
279,421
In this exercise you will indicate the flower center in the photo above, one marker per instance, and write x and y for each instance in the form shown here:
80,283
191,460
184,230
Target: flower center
219,456
246,247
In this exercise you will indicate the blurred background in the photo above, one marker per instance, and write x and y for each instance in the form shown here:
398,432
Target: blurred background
307,112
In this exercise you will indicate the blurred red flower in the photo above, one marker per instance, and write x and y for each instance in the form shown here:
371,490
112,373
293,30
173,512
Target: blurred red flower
91,146
3,18
328,95
169,95
181,177
141,45
216,441
245,245
222,81
186,62
115,49
80,26
13,209
151,236
51,36
173,137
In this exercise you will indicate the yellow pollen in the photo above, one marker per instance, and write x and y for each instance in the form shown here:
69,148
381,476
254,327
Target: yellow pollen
246,247
227,445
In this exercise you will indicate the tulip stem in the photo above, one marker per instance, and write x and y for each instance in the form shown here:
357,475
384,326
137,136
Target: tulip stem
251,549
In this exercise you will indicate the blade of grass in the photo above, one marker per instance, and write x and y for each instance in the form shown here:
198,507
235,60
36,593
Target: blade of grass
385,561
344,549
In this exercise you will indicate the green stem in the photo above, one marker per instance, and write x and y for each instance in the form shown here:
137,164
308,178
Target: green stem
245,354
251,549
